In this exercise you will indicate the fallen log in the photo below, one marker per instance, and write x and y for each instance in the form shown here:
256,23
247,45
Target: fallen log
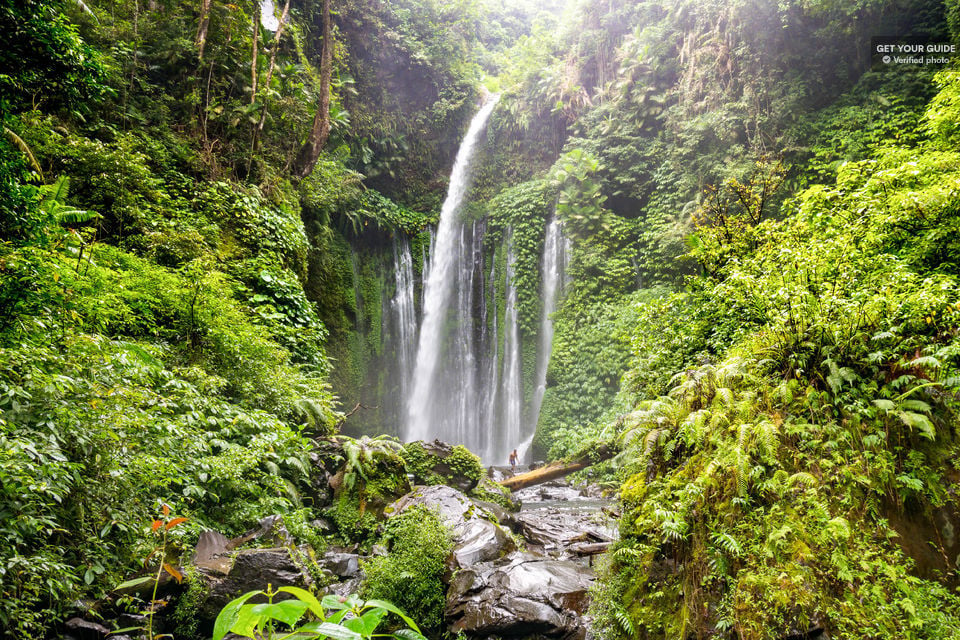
558,469
589,548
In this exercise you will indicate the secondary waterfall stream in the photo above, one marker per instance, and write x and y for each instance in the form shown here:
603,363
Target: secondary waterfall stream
464,382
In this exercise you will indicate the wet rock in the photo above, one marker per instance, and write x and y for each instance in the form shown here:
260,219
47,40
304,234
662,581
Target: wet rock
345,588
250,570
86,630
557,530
212,553
476,535
488,487
341,565
545,492
519,596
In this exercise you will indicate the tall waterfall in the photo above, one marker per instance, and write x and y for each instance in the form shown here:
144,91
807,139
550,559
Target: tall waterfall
434,408
553,269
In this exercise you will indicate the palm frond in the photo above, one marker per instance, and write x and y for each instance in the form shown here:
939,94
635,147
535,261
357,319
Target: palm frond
25,148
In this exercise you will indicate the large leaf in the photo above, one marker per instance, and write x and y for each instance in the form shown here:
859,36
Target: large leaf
919,422
287,612
229,615
328,630
371,620
383,604
136,582
305,596
336,602
408,634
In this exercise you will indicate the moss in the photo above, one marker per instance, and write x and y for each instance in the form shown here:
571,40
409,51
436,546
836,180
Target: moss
426,467
493,492
411,574
354,523
186,614
465,463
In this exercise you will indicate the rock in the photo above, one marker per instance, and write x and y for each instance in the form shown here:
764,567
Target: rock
342,565
487,487
545,492
519,596
250,570
270,529
557,530
212,552
476,535
86,630
436,462
345,588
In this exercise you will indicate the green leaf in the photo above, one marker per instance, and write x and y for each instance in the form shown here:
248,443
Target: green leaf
136,582
383,604
336,602
886,405
408,634
305,596
287,612
919,422
329,630
229,615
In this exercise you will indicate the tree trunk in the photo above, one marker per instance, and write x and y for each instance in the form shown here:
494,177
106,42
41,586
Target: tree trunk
202,28
320,131
273,63
255,52
558,469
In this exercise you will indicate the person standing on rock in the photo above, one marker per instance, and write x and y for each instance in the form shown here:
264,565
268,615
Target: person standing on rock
514,458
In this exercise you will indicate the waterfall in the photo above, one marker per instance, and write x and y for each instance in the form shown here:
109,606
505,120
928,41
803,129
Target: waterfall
404,313
553,270
512,384
444,402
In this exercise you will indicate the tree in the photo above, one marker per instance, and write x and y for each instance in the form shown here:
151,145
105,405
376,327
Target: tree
320,131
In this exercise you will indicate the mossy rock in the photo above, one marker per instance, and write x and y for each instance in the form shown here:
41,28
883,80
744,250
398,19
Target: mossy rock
441,463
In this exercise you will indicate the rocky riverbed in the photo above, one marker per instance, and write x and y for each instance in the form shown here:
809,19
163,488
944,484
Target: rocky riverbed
511,574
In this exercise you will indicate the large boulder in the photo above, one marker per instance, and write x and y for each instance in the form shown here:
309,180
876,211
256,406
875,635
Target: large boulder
440,463
519,596
555,531
477,536
253,569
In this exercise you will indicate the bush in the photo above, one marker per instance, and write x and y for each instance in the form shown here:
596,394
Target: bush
411,574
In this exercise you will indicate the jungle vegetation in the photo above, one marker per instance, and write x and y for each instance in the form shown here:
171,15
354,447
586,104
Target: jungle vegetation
196,213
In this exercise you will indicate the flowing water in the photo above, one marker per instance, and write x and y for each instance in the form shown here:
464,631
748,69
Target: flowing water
553,270
404,313
463,383
508,435
431,411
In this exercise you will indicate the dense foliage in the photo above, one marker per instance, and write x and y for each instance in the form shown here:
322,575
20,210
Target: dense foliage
762,299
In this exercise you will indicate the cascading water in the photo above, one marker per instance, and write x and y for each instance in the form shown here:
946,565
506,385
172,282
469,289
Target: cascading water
553,270
465,383
404,312
512,385
440,404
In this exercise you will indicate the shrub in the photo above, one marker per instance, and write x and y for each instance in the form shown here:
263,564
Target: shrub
410,575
